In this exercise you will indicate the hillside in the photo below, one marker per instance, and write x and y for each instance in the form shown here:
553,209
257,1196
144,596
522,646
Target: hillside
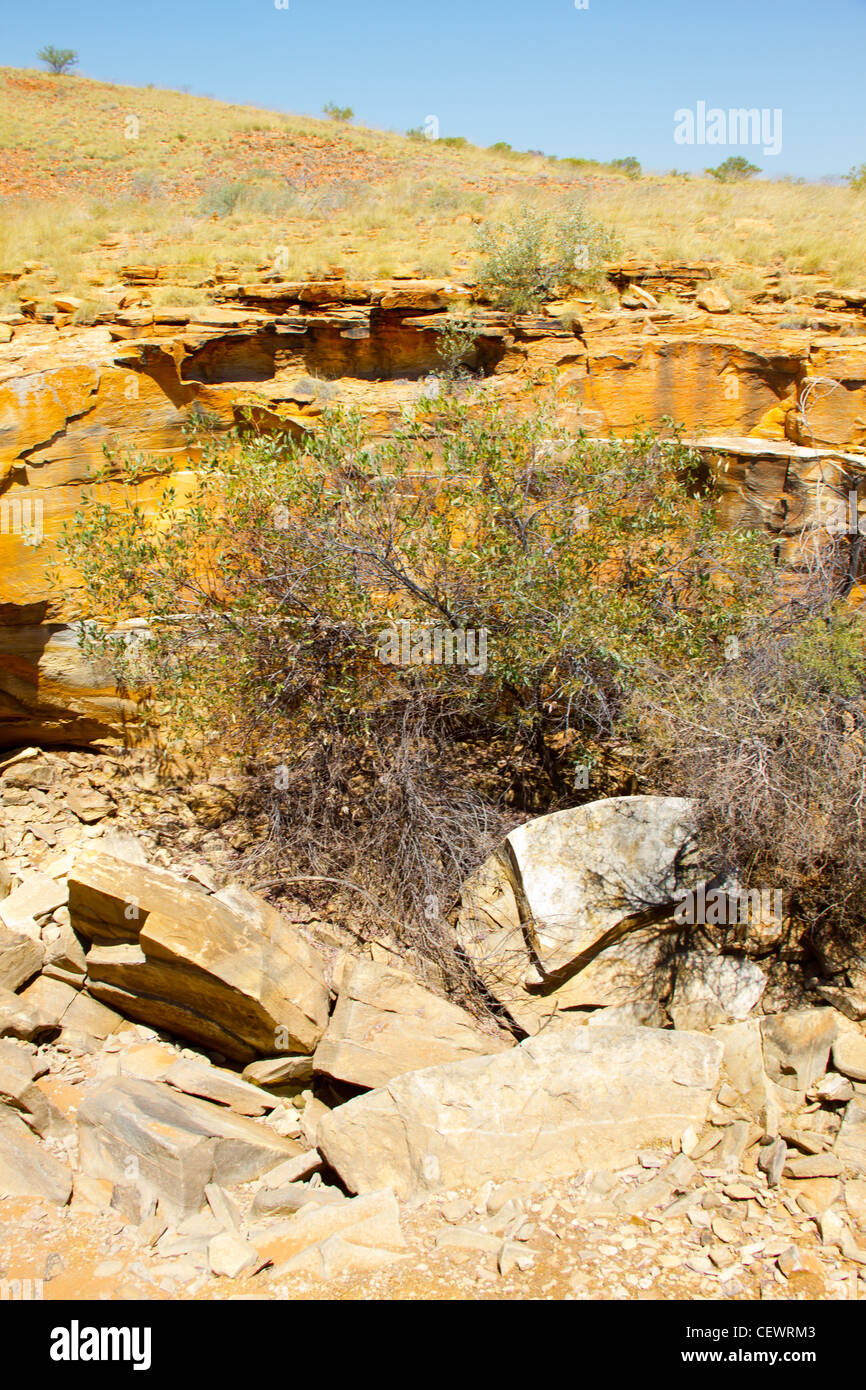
192,182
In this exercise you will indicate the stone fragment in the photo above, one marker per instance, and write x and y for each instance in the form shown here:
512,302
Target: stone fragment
169,1144
813,1166
849,1055
797,1046
219,1085
713,300
290,1072
229,1256
385,1023
712,989
366,1229
850,1144
20,959
20,1019
26,1167
563,916
38,896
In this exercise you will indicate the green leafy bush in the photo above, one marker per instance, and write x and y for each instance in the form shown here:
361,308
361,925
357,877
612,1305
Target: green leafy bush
584,564
533,255
59,60
733,169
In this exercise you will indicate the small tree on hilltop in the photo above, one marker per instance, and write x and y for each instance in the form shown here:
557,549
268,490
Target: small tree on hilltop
733,169
58,59
857,178
338,113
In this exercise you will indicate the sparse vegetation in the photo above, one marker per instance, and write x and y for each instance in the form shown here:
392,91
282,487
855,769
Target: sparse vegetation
59,60
339,113
532,255
734,169
585,564
857,178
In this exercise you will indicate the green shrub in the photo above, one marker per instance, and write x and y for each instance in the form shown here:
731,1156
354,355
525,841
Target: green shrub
59,60
584,563
733,169
857,178
532,255
628,166
338,113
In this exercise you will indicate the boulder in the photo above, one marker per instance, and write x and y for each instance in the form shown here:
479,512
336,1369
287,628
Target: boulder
569,1099
166,953
386,1023
567,913
169,1145
26,1168
20,959
713,300
797,1046
713,989
849,1055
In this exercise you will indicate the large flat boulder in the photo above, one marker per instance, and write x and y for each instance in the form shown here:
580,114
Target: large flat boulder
569,1099
170,1145
386,1023
572,910
234,978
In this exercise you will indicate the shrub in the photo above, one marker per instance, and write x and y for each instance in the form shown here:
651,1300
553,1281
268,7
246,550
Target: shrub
532,255
456,344
771,746
857,178
267,594
628,166
338,113
59,60
734,168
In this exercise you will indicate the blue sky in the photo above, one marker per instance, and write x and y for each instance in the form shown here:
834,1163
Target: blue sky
600,82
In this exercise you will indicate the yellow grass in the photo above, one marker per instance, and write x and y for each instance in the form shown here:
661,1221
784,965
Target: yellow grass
208,184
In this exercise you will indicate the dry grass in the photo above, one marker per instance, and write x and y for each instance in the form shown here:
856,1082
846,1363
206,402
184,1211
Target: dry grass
207,184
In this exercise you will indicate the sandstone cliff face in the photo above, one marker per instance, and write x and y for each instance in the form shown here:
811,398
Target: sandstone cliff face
780,413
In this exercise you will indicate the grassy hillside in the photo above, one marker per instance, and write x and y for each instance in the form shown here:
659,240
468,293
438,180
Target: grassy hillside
94,175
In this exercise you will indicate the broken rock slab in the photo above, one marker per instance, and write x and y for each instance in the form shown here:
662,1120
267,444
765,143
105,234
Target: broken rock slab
237,978
219,1085
20,959
566,1100
797,1046
560,916
171,1145
850,1144
26,1168
18,1089
386,1023
342,1237
19,1019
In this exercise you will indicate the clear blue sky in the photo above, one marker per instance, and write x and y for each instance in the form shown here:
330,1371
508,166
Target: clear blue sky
599,82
